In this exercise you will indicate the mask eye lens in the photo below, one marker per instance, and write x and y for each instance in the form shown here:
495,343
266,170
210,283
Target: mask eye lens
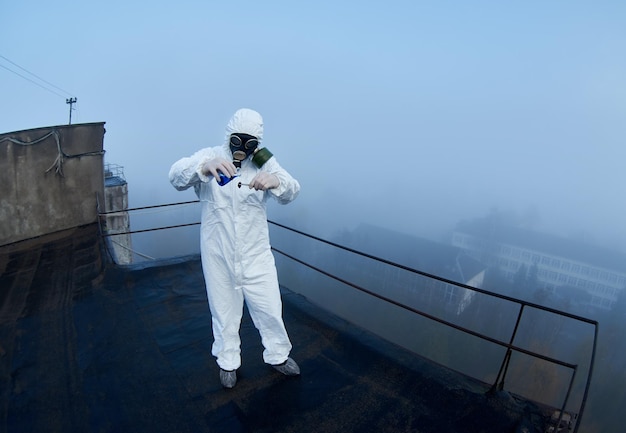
252,143
235,141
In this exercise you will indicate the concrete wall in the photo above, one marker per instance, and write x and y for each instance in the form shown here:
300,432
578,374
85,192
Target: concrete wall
116,199
49,179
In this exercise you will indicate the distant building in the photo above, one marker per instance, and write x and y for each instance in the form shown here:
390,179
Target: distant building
559,262
416,253
117,219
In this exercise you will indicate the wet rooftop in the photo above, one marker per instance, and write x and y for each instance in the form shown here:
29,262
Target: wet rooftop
91,347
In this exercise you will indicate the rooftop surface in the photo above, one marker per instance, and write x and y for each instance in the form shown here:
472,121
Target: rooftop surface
89,347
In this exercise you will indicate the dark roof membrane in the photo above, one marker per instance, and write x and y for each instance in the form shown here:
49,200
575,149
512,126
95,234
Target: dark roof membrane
129,349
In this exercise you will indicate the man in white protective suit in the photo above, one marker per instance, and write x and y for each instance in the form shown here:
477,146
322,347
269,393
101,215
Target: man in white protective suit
233,183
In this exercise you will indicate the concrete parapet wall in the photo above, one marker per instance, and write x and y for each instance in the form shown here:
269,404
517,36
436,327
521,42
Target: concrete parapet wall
49,179
116,200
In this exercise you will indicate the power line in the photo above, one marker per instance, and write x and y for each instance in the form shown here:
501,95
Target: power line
34,82
36,76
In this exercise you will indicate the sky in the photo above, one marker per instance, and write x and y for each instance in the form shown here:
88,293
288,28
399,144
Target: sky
411,115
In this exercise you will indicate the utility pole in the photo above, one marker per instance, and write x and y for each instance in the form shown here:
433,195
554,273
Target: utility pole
71,101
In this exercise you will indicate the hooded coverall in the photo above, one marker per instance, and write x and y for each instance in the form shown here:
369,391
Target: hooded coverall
237,261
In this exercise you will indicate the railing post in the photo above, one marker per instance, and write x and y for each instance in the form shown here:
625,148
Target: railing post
588,384
569,391
507,356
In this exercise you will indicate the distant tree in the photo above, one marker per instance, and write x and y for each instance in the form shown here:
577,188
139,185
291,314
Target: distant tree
520,283
496,281
617,317
532,280
571,299
613,343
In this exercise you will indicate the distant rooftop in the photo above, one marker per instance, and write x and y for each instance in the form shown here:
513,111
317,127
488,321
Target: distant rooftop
114,175
547,243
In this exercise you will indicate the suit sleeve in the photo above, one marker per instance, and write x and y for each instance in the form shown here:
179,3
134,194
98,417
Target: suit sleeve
289,187
187,172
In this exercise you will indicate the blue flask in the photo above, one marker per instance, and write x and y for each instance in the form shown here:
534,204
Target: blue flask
223,180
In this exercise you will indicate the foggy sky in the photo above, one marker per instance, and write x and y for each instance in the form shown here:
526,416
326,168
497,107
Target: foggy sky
411,115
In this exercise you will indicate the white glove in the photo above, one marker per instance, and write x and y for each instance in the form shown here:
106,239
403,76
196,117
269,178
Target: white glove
264,181
216,165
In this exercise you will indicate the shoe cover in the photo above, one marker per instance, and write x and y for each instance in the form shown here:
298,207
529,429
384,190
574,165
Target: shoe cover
228,378
288,368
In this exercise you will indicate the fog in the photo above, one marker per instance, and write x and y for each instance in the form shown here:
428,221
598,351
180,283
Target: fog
409,115
405,115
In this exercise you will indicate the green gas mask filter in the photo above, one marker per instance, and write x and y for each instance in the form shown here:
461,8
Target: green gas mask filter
261,156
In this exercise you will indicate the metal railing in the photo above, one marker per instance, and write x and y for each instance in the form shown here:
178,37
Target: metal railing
510,346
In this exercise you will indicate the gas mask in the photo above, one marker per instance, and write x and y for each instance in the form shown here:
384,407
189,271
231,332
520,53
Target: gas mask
244,145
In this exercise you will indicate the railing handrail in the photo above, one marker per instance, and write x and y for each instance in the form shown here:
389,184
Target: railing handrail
427,315
438,278
510,346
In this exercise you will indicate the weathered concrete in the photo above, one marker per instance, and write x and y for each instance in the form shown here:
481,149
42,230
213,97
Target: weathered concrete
116,201
49,179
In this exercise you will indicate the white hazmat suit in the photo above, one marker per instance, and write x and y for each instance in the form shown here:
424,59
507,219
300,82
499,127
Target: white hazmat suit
237,260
